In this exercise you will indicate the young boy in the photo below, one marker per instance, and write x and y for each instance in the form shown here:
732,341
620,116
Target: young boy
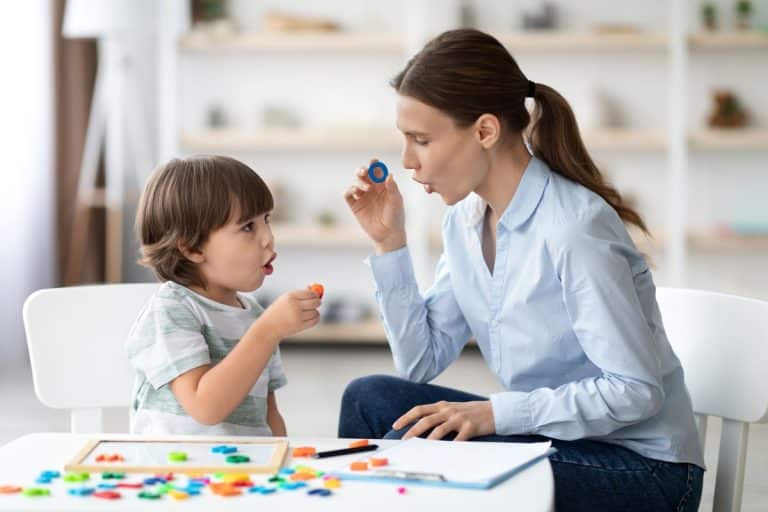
205,352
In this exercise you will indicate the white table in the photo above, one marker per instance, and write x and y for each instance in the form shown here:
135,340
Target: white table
22,460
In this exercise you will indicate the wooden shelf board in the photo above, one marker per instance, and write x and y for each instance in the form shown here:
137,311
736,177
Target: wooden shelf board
294,235
563,40
370,331
624,140
730,138
202,41
716,242
728,40
329,139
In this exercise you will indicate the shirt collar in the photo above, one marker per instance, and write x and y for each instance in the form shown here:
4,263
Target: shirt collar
523,203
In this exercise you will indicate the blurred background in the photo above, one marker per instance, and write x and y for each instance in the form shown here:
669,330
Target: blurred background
671,98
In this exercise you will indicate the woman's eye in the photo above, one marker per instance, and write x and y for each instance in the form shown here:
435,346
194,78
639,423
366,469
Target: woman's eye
248,227
421,142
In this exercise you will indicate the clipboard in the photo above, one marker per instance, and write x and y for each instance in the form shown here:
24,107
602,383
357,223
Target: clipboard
455,464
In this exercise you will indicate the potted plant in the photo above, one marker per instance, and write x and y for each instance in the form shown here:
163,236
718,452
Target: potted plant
709,16
743,13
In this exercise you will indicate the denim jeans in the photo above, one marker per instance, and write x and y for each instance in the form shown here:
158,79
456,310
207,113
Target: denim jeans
589,475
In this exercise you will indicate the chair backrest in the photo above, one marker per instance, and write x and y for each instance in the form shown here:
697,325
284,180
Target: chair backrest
722,343
76,337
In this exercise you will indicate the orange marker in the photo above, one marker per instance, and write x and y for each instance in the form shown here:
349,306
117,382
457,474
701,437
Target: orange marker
359,466
359,442
318,289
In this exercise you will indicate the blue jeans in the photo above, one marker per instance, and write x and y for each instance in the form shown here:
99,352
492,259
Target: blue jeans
589,475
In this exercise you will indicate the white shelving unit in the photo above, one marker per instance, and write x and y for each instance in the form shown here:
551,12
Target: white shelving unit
678,141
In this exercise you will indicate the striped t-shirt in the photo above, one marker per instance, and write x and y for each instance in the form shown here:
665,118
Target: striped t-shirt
176,331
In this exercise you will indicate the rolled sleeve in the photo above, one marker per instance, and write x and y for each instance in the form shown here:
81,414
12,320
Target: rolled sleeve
511,413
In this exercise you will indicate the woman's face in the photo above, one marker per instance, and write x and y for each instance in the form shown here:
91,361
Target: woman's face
445,158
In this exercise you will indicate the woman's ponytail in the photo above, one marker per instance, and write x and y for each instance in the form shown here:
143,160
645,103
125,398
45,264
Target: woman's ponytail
554,138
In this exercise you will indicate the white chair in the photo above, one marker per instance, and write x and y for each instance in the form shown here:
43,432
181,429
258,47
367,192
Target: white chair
722,343
76,337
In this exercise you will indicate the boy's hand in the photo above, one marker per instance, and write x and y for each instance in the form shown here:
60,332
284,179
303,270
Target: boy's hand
293,312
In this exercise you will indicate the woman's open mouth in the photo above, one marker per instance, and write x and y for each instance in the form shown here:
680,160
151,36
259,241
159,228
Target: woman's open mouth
427,187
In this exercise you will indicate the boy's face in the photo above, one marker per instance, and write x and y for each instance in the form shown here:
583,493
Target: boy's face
238,255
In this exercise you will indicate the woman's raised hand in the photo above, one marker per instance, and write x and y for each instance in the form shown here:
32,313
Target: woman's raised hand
378,207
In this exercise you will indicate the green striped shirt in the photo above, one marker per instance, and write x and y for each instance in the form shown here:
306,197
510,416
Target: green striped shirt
178,330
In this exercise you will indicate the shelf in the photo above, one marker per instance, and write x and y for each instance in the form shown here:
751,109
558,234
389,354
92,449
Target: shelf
293,235
620,140
559,40
732,139
718,242
327,139
728,40
370,331
381,139
203,42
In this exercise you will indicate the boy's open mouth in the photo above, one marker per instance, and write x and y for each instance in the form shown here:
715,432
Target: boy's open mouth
268,269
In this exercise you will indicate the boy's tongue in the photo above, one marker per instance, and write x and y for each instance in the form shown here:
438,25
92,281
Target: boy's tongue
268,269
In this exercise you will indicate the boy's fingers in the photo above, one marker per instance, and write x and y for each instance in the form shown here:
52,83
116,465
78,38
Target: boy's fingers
308,316
310,304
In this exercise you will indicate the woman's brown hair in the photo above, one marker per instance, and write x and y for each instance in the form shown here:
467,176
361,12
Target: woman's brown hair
466,73
184,201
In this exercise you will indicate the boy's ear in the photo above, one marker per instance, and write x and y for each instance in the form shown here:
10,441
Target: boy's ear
193,256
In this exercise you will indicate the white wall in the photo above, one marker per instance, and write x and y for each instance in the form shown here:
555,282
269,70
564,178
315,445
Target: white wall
26,130
341,88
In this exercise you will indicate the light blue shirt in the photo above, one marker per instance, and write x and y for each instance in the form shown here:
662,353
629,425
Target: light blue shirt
568,320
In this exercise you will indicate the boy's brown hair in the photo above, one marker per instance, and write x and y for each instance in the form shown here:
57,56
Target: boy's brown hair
184,201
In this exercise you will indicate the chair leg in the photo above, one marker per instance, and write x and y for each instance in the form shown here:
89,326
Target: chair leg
86,421
701,427
729,482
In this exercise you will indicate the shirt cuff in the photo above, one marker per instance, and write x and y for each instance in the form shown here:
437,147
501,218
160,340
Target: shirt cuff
392,269
511,413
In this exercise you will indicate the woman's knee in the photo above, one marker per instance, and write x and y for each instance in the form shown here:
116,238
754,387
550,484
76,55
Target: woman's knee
365,388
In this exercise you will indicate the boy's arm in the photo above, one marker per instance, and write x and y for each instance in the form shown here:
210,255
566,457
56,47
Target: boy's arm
210,393
274,418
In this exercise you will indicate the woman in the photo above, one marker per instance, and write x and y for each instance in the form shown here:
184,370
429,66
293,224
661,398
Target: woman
539,268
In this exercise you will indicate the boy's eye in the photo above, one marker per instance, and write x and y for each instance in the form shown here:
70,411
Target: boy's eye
266,219
248,227
421,142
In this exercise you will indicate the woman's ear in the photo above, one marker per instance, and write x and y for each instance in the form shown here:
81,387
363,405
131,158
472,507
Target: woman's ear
487,130
193,256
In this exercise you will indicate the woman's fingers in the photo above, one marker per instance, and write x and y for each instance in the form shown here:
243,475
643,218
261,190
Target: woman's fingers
443,429
424,424
465,433
415,413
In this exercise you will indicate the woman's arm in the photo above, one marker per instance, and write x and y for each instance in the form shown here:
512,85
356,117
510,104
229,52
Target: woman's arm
425,334
598,275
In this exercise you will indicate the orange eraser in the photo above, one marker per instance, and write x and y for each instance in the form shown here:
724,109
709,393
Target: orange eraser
359,466
304,451
359,442
318,289
379,461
